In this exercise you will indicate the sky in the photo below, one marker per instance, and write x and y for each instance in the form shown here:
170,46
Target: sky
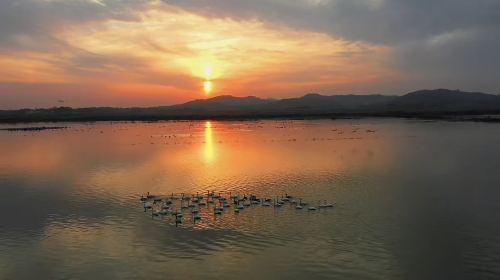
128,53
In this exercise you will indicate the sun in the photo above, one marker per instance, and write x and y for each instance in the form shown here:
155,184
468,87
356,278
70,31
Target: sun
208,71
207,87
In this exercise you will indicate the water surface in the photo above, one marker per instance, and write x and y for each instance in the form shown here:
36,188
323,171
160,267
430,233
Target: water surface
414,200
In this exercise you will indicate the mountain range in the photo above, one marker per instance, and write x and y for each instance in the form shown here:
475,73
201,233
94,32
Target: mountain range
423,103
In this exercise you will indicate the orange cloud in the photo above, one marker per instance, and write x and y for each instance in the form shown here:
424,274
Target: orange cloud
166,53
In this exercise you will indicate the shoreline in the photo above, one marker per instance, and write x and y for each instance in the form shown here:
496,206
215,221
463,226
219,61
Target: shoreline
452,117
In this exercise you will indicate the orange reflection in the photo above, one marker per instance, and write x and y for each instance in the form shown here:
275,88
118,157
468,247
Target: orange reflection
190,156
209,144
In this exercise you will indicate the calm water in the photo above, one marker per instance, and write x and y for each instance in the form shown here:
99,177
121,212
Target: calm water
415,200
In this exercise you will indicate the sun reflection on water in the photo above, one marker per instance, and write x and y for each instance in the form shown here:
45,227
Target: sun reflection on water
209,154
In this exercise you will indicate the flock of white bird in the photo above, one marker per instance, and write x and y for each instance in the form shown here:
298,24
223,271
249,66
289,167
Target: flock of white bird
177,205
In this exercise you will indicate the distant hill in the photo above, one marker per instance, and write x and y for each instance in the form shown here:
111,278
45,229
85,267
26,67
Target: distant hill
220,105
423,103
322,104
444,100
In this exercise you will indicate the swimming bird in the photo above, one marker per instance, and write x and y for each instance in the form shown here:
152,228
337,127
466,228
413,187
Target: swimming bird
167,202
328,205
154,214
277,203
325,205
147,207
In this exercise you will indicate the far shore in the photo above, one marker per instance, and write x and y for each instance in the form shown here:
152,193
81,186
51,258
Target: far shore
33,128
454,117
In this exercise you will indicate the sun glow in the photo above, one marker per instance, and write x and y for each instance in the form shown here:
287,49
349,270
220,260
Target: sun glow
207,87
208,71
173,55
209,144
207,84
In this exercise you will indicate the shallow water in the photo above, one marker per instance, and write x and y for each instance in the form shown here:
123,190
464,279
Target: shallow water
414,200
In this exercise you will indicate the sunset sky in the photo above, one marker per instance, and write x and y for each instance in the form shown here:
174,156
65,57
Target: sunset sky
149,53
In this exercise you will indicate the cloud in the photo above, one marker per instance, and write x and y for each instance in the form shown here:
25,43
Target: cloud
164,49
442,43
33,24
262,46
377,21
463,58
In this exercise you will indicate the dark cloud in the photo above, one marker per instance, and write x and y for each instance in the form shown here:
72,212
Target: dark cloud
379,21
441,43
465,59
32,24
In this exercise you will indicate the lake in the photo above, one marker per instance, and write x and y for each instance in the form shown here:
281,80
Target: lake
413,200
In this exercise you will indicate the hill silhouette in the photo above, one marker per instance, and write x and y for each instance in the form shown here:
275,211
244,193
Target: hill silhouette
436,103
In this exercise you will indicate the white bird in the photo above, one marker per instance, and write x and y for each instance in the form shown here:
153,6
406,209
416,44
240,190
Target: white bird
147,207
326,205
329,205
